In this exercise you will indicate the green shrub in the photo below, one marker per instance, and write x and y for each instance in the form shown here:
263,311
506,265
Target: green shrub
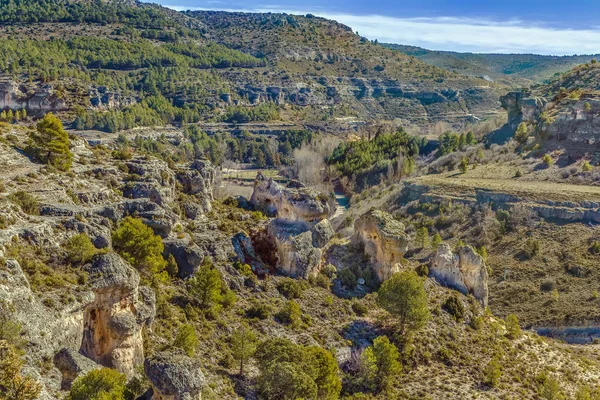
513,330
348,278
80,249
359,308
595,247
99,384
291,371
258,310
206,285
27,202
586,166
436,240
493,372
532,247
138,244
13,385
547,160
290,288
290,314
186,339
422,270
321,280
454,307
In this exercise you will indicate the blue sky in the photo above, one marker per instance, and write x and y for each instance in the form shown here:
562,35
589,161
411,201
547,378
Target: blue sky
502,26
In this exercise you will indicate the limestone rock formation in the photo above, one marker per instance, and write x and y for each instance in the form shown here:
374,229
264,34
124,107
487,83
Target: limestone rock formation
34,98
296,255
294,204
71,364
198,180
464,271
383,239
113,322
174,376
158,218
187,255
155,181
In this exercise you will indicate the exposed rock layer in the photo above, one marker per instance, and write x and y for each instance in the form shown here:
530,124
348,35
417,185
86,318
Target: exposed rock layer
464,271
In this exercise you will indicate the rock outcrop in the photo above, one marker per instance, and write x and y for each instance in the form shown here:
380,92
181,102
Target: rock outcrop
464,271
174,376
198,180
384,241
293,241
294,204
187,255
113,322
71,364
33,99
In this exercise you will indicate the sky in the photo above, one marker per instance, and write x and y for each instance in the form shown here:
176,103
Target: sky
501,26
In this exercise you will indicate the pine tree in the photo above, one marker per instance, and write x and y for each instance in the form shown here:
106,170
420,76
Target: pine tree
422,237
404,296
437,240
51,143
243,345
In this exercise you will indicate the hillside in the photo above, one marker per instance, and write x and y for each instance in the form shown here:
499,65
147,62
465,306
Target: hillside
214,205
516,70
338,67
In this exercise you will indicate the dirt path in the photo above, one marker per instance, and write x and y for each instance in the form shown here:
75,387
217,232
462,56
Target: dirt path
534,190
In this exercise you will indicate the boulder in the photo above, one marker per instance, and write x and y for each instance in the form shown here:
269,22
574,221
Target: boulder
187,255
71,364
174,376
464,271
156,217
113,322
383,239
295,254
198,180
292,204
322,233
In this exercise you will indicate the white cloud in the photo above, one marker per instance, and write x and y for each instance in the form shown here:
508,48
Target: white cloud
462,34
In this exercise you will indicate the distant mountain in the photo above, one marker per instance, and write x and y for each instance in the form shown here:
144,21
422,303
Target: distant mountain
512,69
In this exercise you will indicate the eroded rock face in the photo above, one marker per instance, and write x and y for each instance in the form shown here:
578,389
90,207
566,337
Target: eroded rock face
38,99
113,322
174,376
464,271
383,239
198,180
294,204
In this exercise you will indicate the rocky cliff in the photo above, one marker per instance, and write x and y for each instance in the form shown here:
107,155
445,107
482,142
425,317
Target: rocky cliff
464,271
383,239
113,322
